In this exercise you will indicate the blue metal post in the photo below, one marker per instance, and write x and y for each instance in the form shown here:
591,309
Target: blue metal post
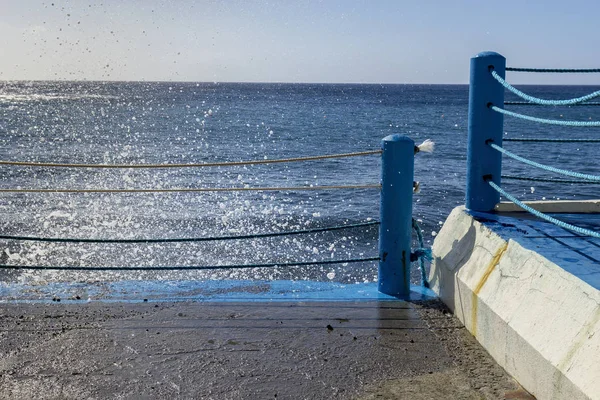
397,170
483,162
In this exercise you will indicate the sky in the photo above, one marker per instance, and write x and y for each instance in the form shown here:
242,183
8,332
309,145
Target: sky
333,41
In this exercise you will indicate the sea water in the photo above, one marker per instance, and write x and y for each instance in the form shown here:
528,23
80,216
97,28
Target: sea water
169,122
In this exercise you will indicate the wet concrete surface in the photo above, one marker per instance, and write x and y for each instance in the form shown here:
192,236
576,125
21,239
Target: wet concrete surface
259,350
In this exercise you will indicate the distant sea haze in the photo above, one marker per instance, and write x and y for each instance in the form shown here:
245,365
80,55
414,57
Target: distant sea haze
135,122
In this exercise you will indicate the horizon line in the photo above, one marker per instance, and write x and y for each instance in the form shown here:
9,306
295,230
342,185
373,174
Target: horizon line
275,82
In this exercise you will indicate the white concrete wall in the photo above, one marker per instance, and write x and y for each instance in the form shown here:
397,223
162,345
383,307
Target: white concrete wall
539,322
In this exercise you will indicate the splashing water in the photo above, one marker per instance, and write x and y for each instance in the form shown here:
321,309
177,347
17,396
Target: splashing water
93,122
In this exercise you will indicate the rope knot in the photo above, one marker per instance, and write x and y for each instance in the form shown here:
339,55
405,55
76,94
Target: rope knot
421,253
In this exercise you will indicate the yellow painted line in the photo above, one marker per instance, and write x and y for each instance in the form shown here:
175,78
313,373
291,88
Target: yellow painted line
475,296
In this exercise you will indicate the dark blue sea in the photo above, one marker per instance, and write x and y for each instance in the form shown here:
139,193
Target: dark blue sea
137,122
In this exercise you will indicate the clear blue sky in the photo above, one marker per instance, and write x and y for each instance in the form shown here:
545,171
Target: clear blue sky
370,41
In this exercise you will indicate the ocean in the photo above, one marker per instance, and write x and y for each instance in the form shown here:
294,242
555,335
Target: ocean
171,122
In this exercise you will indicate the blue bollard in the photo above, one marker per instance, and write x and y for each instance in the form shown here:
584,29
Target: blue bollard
397,171
483,162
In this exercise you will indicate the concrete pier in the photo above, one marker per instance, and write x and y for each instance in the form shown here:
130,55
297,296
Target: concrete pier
529,292
252,350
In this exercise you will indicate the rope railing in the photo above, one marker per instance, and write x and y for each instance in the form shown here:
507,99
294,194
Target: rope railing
544,102
191,268
427,147
547,140
487,88
195,190
527,103
543,216
544,120
595,178
191,165
550,180
396,197
555,70
195,239
419,233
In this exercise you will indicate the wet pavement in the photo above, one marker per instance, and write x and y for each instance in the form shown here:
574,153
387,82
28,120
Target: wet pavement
256,350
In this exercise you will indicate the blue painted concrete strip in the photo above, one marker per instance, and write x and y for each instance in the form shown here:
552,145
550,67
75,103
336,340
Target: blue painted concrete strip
222,291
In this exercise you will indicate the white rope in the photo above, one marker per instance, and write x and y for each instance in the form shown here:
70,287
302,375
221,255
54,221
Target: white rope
242,189
192,165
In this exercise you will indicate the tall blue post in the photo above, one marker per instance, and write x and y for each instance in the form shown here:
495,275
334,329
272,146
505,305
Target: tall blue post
483,162
397,170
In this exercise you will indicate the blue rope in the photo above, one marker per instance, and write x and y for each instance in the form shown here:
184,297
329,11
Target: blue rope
553,70
545,167
527,103
545,121
544,102
421,255
551,140
201,239
543,216
520,178
191,268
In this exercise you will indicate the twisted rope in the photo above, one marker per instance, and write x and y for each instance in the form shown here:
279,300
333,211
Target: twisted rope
544,102
543,216
244,189
191,268
520,178
552,140
545,167
419,233
194,165
553,70
200,239
545,121
527,103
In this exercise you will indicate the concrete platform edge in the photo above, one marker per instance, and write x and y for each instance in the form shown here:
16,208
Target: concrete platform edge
540,323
